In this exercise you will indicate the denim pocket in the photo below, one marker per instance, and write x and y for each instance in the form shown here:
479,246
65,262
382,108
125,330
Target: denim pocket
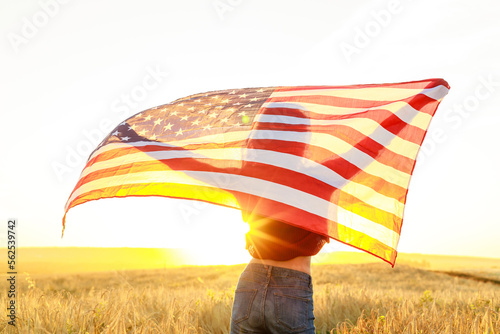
291,312
243,300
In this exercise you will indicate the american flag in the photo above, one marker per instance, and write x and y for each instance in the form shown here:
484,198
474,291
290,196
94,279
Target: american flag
335,160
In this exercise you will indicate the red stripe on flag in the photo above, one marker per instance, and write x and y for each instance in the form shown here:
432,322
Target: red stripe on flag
418,101
385,118
318,154
278,210
358,140
271,173
419,84
334,162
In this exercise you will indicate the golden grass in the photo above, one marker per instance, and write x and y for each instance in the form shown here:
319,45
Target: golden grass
355,298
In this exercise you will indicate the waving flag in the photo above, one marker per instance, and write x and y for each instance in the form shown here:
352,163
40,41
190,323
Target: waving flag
335,160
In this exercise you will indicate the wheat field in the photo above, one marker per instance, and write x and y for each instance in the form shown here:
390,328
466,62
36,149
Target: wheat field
356,298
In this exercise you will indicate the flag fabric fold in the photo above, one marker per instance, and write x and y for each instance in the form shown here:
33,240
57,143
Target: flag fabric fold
335,160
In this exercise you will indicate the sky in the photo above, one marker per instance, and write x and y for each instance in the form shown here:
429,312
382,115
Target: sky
72,70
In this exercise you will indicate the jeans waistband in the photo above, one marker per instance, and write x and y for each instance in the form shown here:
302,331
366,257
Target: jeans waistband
278,271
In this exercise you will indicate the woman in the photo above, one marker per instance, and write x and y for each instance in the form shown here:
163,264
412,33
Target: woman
274,293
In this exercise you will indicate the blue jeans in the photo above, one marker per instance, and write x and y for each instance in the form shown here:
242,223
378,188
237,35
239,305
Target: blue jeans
273,300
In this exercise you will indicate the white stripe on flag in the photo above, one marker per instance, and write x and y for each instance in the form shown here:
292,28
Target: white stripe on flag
401,109
365,126
368,93
254,186
219,138
356,157
283,160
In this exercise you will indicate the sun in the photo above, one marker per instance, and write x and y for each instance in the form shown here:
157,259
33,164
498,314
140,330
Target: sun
218,240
